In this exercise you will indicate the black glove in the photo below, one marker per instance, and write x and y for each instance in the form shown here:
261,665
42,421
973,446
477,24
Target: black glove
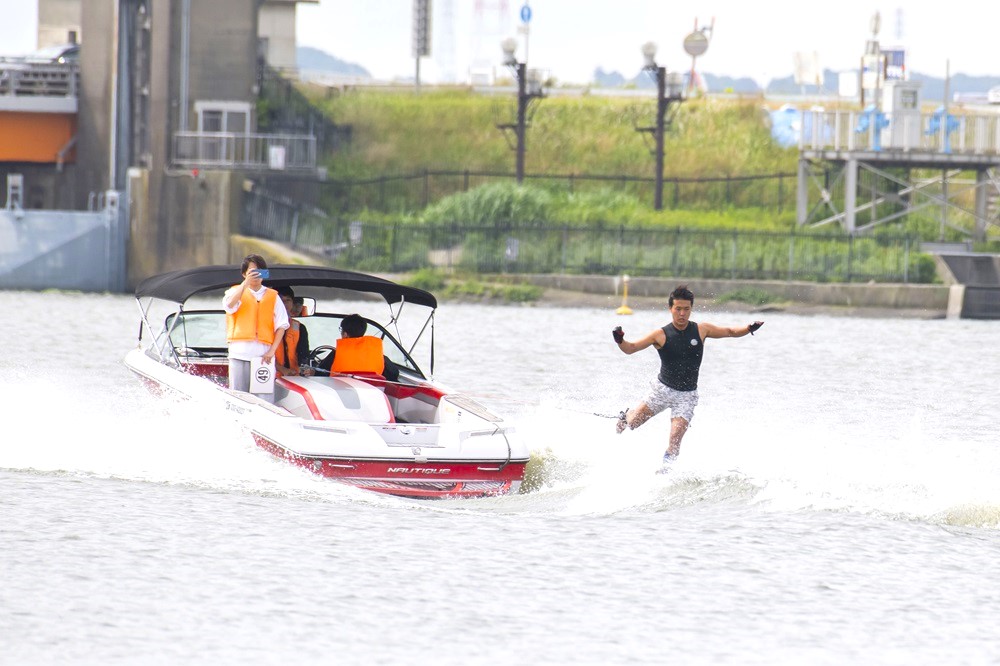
754,326
618,334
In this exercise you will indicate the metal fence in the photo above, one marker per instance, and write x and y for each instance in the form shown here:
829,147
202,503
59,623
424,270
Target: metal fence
277,152
596,249
408,192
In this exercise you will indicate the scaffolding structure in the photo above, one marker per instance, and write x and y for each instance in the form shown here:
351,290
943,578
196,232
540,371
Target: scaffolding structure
861,169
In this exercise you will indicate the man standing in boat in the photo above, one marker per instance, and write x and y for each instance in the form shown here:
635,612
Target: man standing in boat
679,344
256,320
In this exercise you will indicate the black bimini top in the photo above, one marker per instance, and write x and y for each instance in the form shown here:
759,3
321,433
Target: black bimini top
178,286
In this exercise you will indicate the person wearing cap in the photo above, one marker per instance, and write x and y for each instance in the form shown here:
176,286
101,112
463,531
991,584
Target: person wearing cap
680,345
256,321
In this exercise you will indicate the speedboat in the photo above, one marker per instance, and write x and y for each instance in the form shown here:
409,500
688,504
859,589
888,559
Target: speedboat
409,437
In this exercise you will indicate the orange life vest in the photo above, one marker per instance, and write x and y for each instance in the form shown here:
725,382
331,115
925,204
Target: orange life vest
253,321
290,342
362,354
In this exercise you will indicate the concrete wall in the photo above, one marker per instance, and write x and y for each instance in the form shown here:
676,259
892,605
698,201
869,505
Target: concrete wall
182,220
189,226
44,186
933,298
93,129
56,18
277,26
223,50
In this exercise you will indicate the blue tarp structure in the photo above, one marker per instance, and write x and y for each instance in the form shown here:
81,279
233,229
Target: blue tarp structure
788,124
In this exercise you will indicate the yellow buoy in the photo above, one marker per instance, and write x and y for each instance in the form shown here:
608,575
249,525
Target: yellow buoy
624,309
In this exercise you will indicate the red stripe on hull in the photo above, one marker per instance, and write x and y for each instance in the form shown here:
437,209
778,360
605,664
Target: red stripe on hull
407,478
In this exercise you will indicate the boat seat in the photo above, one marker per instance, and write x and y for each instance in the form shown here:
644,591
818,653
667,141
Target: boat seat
335,398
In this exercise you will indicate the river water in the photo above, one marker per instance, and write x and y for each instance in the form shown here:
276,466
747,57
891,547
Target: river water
836,500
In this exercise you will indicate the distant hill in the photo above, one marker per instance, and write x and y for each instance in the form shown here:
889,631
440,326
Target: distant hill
932,88
787,85
314,60
604,79
715,83
743,85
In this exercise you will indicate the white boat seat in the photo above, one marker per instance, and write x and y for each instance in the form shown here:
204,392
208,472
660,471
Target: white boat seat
335,398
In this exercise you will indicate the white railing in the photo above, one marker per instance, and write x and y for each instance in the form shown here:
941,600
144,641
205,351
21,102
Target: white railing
24,79
924,133
230,150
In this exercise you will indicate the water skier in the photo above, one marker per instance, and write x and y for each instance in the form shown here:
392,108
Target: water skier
680,346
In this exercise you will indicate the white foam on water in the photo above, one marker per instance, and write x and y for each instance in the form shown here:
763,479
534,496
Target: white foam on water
130,434
898,468
891,465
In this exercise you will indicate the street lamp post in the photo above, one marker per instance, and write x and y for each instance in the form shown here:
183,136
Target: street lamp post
669,94
527,92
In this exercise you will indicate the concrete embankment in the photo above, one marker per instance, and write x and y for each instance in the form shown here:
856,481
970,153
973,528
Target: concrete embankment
905,300
868,299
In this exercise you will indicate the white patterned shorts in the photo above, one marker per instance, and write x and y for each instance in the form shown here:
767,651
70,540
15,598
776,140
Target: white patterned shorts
680,403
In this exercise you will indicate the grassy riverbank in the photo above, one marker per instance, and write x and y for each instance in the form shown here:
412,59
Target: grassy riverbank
397,135
445,133
400,132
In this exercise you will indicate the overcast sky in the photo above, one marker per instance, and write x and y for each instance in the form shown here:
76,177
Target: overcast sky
570,38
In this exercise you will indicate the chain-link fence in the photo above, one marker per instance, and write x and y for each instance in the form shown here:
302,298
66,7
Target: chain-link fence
596,249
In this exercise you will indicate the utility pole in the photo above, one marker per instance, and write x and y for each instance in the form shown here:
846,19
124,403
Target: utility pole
421,34
668,94
527,93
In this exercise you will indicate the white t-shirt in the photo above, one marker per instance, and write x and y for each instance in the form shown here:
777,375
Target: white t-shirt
248,350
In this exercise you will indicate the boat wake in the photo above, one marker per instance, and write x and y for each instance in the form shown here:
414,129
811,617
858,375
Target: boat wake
894,471
128,434
579,466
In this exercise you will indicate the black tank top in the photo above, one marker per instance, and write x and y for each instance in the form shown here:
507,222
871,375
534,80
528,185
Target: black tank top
680,357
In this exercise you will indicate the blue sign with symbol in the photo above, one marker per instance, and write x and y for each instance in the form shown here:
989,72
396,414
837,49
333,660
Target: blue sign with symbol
526,13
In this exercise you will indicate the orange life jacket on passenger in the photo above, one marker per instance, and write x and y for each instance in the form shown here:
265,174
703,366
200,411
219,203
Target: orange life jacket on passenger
253,321
362,354
290,341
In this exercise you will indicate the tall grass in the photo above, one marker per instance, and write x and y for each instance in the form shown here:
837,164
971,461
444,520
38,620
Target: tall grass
400,132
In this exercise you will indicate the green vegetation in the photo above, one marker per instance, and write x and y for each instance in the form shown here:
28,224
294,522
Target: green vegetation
508,293
427,279
429,178
748,295
472,288
400,132
504,204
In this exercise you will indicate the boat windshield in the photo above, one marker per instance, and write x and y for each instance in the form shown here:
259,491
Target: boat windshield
203,333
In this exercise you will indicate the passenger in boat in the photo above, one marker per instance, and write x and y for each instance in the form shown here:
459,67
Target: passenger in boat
680,346
357,352
294,345
256,321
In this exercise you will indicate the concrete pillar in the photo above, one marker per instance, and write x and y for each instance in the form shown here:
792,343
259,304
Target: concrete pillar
956,301
983,184
802,192
850,195
944,203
